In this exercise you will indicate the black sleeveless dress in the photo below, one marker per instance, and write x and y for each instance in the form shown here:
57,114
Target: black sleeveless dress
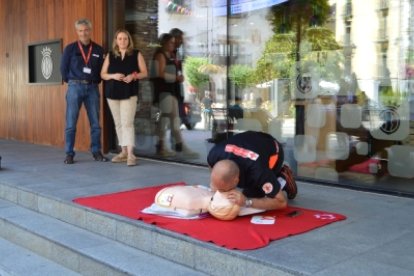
119,90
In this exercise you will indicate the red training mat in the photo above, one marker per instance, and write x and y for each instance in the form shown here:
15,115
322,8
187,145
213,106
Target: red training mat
236,234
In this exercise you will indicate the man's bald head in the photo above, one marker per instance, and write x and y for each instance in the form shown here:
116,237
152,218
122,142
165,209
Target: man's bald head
224,175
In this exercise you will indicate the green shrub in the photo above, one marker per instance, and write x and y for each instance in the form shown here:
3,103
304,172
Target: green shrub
192,73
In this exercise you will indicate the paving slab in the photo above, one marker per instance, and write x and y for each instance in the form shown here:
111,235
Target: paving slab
16,260
72,247
377,229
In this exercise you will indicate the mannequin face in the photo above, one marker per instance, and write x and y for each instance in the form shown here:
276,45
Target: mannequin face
222,208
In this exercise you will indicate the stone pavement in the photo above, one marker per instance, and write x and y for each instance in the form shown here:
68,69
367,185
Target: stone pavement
377,238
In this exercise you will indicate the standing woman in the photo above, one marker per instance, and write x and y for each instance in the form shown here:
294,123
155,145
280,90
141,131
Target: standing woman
165,76
122,68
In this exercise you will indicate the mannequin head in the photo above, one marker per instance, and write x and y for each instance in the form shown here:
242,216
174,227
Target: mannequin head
222,208
197,199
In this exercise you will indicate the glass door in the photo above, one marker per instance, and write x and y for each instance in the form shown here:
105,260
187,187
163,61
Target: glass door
331,79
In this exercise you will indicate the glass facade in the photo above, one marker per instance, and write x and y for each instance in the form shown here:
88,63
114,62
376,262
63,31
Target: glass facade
331,79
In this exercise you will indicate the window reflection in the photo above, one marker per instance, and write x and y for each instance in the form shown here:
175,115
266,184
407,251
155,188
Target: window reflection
331,79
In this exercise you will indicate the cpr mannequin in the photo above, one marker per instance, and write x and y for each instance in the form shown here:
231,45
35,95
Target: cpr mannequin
222,208
186,200
195,200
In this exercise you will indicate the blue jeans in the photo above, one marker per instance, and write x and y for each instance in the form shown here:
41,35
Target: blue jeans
88,94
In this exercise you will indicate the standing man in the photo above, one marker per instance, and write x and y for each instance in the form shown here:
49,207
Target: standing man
254,162
80,68
178,59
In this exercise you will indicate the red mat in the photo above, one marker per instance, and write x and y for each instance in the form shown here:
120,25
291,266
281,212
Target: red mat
236,234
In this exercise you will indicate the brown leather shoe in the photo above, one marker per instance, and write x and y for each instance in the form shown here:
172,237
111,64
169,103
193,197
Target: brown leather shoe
290,187
120,158
131,161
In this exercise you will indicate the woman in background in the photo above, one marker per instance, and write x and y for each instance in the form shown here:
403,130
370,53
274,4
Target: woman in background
165,75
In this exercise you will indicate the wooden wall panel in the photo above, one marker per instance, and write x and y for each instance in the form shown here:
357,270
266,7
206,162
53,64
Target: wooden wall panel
36,113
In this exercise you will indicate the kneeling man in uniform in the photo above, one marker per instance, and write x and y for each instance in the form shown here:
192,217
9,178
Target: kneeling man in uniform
253,162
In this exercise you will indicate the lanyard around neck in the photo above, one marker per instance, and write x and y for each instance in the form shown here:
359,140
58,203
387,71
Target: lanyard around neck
85,58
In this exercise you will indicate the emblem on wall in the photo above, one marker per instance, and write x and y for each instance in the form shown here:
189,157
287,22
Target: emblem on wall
47,63
44,58
304,83
391,122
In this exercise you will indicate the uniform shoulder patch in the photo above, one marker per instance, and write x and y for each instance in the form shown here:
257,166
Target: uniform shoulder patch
267,188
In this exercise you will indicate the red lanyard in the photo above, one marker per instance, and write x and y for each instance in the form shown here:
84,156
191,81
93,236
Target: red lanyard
85,58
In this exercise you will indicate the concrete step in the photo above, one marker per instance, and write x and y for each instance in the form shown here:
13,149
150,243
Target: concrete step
17,260
199,256
77,249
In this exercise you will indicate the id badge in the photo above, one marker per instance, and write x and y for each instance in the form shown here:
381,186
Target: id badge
87,70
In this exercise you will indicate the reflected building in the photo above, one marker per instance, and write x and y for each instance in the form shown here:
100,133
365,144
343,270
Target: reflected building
341,82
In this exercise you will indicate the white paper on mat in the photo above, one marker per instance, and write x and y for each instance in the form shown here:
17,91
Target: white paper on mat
155,209
174,213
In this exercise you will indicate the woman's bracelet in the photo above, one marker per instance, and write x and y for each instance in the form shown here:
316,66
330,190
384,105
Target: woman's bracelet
135,75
